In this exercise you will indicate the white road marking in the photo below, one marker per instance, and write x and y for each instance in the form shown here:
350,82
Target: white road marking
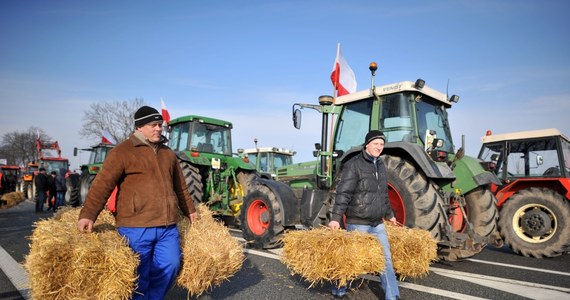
523,288
518,267
15,272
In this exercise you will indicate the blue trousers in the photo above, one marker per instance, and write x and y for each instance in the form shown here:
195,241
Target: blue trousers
388,277
160,255
59,199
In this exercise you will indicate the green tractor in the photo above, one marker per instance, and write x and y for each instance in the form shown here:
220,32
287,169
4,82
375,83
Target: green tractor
431,186
215,176
97,156
268,159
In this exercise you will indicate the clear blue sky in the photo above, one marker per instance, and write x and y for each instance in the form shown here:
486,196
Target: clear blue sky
249,61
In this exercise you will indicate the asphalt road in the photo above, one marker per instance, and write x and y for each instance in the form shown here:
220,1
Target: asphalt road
492,274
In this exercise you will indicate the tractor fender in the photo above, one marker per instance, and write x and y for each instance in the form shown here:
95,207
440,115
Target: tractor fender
286,197
472,175
416,154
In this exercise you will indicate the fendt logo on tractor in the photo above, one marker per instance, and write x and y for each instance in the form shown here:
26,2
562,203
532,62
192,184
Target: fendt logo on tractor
430,185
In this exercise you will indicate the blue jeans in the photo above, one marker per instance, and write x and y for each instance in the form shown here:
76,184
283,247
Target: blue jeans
388,278
59,199
159,252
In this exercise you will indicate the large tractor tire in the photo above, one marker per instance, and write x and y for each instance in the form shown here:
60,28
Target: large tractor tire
193,180
85,185
536,223
417,203
415,200
262,218
30,190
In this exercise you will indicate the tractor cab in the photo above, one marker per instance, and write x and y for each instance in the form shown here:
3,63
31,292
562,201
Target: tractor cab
529,154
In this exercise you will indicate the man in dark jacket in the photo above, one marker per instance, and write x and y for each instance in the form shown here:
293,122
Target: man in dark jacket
51,190
41,183
60,188
362,196
151,192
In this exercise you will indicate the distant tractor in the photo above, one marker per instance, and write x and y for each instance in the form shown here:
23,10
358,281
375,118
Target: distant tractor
97,156
47,159
268,159
215,176
27,182
430,185
534,193
10,177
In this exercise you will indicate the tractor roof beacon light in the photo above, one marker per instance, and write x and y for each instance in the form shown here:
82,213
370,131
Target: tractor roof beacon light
325,100
373,67
454,98
420,83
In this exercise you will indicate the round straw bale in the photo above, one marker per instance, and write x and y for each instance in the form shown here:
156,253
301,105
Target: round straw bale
337,256
210,255
64,263
413,250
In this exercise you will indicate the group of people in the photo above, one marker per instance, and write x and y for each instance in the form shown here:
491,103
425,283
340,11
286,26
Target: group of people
152,190
50,189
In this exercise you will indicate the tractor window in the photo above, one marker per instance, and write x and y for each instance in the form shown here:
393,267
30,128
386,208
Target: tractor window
533,158
494,154
179,137
396,122
282,160
211,139
353,125
434,118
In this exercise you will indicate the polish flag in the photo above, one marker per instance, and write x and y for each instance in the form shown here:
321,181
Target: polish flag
107,138
165,114
342,75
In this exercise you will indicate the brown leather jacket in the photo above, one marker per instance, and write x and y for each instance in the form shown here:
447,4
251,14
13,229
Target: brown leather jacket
151,186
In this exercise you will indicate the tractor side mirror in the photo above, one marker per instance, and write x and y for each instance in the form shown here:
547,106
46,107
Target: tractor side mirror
539,160
297,118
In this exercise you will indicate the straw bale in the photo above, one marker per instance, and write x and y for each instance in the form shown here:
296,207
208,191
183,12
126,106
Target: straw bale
413,250
210,255
337,256
64,263
12,199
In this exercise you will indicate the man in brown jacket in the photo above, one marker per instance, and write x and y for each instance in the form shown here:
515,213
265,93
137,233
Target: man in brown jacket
151,192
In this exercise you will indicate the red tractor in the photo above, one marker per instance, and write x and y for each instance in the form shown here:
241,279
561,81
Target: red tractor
534,197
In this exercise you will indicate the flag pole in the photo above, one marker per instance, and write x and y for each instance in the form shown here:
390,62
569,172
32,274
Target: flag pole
335,94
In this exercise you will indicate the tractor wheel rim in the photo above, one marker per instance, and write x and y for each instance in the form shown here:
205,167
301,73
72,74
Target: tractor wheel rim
534,223
397,204
257,217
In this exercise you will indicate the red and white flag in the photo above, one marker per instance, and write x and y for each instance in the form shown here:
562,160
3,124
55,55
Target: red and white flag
342,76
165,114
107,138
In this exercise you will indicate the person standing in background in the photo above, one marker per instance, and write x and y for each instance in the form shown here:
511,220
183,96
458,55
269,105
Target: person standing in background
51,191
41,183
60,189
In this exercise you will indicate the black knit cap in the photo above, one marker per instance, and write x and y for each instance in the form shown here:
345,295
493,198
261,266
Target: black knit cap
372,135
146,114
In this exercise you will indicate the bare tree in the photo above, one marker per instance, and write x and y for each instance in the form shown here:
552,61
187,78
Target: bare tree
19,148
114,117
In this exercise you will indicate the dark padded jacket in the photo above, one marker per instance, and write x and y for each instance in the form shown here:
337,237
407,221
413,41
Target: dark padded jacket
151,186
362,192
